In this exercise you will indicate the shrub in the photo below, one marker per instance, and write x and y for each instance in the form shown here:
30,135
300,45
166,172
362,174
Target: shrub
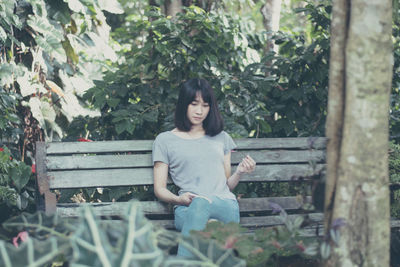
16,185
394,175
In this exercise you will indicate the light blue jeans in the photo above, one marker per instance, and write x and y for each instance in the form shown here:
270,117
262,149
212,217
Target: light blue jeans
196,215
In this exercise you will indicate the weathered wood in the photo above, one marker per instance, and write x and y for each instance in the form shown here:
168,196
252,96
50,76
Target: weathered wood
267,221
262,204
281,143
99,147
146,145
81,162
42,179
40,157
100,178
281,156
144,176
247,205
144,160
254,222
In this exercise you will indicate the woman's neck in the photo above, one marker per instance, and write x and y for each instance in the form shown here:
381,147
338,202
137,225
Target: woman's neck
195,132
197,129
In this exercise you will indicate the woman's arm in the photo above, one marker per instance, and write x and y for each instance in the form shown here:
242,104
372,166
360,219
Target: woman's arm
247,165
160,172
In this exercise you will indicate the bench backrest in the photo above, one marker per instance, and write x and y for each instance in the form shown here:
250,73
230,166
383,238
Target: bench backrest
63,165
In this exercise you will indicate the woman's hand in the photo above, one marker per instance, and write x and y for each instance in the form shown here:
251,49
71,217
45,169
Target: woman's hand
186,198
247,165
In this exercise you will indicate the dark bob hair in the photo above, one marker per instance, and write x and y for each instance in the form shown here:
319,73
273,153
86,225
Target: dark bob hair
213,124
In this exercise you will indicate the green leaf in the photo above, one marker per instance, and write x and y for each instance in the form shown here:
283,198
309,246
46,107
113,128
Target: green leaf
8,71
59,11
25,84
311,250
3,34
130,127
40,225
325,250
70,52
121,127
43,26
116,192
208,253
298,221
335,235
52,46
66,194
8,195
20,175
32,252
35,107
265,127
75,6
132,242
151,115
113,102
112,6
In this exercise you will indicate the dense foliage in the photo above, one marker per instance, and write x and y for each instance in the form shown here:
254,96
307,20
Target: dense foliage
394,173
137,100
16,185
395,96
50,53
300,98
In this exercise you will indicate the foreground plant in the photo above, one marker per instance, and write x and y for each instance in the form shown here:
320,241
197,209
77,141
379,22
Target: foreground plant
263,246
90,241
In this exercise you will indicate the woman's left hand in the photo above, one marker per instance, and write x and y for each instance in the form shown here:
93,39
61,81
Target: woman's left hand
247,165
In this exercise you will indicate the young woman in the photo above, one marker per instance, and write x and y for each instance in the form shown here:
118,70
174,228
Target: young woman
197,155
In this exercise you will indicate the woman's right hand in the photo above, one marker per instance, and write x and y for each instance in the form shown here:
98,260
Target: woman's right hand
186,198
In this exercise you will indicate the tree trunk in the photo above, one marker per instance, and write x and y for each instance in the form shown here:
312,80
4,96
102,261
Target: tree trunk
271,12
336,94
172,7
357,129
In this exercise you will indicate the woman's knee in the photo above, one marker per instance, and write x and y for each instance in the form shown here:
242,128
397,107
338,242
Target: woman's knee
226,210
199,206
233,214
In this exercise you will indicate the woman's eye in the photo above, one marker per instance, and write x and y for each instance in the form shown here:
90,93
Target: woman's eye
206,105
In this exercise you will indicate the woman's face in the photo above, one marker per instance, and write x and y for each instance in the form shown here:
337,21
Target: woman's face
197,110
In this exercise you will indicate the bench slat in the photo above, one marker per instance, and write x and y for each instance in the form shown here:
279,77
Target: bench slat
144,176
145,160
99,146
160,208
98,161
281,143
146,145
253,222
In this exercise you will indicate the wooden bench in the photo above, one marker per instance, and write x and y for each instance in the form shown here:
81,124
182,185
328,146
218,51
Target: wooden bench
62,165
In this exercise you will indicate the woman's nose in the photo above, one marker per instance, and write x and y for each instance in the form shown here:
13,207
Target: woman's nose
199,110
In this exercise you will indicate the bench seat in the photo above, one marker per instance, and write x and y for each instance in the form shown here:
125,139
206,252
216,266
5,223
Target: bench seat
99,164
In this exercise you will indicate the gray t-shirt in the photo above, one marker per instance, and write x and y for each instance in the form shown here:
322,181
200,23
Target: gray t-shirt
196,165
